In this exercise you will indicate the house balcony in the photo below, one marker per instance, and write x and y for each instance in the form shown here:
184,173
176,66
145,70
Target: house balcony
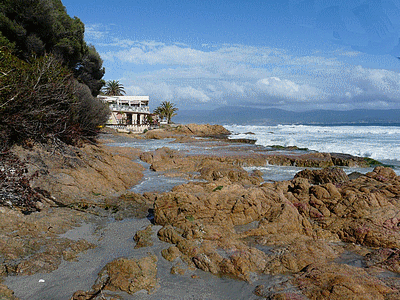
127,108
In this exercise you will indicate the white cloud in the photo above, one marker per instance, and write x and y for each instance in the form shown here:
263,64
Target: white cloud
191,94
95,31
377,80
238,74
283,88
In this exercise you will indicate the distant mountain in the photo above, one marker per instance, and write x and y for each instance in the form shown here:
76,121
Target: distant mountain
273,116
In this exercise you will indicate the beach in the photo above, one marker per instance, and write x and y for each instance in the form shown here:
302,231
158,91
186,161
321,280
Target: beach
188,212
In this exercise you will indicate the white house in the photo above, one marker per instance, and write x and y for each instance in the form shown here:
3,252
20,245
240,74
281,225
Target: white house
128,112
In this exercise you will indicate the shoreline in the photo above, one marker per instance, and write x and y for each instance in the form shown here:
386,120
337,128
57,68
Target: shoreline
297,225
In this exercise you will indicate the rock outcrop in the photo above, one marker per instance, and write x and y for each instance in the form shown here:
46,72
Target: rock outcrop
129,275
71,174
123,275
292,227
205,130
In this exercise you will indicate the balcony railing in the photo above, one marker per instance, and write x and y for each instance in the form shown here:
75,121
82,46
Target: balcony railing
126,108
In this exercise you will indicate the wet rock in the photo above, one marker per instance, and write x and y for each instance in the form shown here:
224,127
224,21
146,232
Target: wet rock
281,290
347,160
130,275
207,203
3,271
355,175
383,174
50,259
158,134
338,281
332,175
309,160
300,253
6,293
178,269
387,259
213,170
41,262
171,253
225,256
143,237
30,243
75,248
128,205
71,174
205,130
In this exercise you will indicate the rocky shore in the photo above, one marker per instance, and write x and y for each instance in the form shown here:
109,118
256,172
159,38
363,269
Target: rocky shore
322,235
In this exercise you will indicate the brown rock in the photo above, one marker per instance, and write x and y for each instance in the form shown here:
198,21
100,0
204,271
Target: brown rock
299,254
72,174
171,253
202,130
214,170
387,259
178,270
41,262
130,275
75,248
335,281
333,175
143,237
6,293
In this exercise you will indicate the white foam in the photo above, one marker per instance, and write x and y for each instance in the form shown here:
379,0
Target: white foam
377,142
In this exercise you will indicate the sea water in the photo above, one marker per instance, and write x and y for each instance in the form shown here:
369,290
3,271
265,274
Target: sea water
378,142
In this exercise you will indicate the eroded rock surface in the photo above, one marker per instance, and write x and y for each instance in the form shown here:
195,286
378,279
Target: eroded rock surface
230,224
295,224
71,174
130,275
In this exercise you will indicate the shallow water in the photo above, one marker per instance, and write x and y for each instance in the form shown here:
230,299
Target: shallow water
272,173
114,239
155,182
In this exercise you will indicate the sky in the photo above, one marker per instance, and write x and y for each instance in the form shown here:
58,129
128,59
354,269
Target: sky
291,54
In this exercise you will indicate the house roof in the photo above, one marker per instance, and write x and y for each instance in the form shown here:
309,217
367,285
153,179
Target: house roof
125,99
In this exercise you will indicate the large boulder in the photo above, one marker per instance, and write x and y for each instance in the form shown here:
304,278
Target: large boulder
205,130
72,174
333,175
340,281
129,275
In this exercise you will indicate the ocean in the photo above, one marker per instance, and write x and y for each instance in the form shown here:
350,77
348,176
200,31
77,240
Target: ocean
381,143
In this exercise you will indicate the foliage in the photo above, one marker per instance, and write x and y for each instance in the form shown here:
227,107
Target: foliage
41,100
149,120
114,88
36,27
218,188
90,113
90,71
166,110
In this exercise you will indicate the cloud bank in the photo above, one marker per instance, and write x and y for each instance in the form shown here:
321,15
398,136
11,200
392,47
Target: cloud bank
209,76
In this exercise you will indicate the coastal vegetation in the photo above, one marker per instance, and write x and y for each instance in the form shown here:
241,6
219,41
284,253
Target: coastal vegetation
49,76
113,88
166,110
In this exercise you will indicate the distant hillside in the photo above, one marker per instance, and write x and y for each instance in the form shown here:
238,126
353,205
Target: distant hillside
273,116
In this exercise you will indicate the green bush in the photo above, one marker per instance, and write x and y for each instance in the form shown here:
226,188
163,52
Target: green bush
37,27
42,101
90,113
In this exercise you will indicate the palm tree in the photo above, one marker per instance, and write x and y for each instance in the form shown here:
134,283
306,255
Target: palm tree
166,110
114,88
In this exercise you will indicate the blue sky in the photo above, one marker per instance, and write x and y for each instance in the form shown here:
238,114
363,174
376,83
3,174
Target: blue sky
289,54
